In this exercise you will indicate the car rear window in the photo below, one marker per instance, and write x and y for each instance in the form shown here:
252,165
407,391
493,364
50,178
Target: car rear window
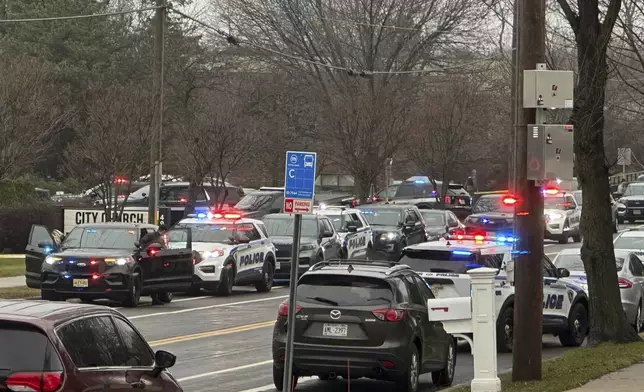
24,348
341,290
454,261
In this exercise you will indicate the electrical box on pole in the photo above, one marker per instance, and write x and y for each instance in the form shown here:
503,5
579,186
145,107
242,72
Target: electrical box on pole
550,152
548,89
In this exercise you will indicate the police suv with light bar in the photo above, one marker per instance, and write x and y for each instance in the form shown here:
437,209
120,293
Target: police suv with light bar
444,265
233,251
492,215
353,229
562,215
105,260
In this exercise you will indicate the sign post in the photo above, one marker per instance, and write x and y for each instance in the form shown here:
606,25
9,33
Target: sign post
299,192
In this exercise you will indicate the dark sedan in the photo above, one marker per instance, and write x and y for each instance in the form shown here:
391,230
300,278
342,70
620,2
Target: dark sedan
440,222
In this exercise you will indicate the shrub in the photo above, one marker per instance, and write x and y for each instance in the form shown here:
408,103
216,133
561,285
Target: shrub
16,192
16,221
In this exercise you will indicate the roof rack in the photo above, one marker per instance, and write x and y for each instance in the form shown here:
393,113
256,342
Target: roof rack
392,265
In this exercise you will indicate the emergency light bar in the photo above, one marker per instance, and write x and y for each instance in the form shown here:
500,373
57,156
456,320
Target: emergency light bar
505,239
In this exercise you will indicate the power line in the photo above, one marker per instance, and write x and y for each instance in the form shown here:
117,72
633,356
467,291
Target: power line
352,72
78,16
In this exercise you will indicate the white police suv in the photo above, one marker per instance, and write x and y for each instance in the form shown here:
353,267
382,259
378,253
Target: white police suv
444,265
353,229
562,214
234,251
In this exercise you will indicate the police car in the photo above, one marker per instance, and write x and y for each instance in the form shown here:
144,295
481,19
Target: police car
234,251
562,214
444,265
353,229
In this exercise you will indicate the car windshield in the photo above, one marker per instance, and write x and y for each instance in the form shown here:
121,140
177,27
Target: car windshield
578,198
453,261
101,238
340,222
282,226
383,216
556,203
634,190
572,262
255,201
492,203
203,232
629,243
344,290
433,218
410,191
389,191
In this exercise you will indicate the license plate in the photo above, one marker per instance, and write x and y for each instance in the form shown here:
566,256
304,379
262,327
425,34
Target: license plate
436,288
81,283
335,330
637,212
277,266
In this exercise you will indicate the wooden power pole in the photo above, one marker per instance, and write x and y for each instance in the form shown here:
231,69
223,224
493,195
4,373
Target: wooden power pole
529,221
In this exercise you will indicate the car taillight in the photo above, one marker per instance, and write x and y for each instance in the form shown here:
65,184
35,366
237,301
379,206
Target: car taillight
625,284
393,315
448,200
283,310
34,382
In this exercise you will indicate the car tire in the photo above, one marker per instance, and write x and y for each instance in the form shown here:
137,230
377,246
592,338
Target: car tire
165,297
577,330
49,295
327,377
268,273
620,221
369,255
133,293
409,380
445,377
639,322
227,281
504,327
615,228
631,221
278,378
576,238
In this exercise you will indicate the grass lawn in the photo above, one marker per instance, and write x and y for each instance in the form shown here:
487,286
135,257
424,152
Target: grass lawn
575,368
18,292
12,267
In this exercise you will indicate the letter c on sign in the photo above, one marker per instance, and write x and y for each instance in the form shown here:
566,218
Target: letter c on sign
291,173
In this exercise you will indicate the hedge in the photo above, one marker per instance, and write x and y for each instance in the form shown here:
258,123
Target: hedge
16,192
16,221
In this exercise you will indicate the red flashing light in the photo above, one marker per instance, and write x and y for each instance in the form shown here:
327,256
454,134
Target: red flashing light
283,309
551,191
34,381
183,200
389,314
448,200
152,251
93,262
232,216
625,284
120,180
459,237
96,276
509,200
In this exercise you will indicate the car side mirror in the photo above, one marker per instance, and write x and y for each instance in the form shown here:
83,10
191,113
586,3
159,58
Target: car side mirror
242,240
352,228
617,195
327,234
144,194
163,360
563,272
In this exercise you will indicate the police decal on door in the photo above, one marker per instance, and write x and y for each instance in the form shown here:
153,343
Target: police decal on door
553,301
357,242
251,259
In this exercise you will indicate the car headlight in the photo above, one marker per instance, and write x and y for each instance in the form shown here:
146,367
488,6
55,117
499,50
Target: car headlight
554,216
124,260
307,247
584,286
50,260
388,237
212,254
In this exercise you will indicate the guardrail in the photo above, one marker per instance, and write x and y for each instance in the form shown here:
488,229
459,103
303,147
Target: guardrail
474,316
615,179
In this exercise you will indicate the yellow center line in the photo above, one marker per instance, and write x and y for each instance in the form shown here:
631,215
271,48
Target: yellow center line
209,334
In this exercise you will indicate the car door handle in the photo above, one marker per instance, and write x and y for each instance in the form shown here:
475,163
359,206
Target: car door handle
249,246
138,384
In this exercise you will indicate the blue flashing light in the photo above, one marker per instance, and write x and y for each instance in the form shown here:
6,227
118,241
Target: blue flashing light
420,182
520,252
47,250
473,266
201,215
461,252
91,230
367,212
71,262
485,220
66,276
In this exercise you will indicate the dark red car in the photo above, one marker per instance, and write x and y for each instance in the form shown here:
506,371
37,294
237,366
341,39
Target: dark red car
58,346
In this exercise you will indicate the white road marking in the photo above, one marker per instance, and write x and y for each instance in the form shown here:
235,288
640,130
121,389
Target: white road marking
550,254
223,371
271,387
206,307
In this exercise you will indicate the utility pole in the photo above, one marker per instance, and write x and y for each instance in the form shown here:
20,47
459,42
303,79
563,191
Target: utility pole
157,136
529,221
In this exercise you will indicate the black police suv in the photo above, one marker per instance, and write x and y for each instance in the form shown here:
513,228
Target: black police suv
491,214
633,200
319,241
394,226
364,319
105,260
421,192
257,204
440,222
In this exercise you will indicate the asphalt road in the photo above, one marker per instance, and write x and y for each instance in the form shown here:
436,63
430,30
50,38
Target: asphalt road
225,343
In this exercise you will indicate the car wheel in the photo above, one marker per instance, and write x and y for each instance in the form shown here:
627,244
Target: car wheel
576,238
227,281
134,293
327,377
369,255
631,221
266,284
49,295
615,228
577,330
409,381
445,377
165,298
620,221
639,323
278,379
504,330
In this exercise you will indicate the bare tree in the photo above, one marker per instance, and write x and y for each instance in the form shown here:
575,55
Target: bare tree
32,112
607,321
362,117
112,143
216,139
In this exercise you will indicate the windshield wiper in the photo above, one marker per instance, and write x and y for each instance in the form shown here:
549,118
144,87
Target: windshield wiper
324,300
378,299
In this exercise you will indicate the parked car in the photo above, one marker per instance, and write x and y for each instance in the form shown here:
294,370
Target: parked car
62,346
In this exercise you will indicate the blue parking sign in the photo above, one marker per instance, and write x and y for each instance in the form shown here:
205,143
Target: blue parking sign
299,182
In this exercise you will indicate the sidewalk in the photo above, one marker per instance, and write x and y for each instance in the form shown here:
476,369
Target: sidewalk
631,378
14,281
